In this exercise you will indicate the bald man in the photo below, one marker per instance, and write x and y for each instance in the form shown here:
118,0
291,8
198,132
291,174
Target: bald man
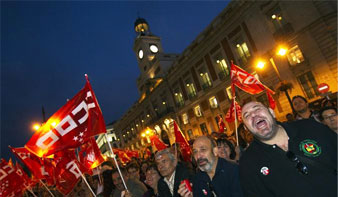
287,159
216,177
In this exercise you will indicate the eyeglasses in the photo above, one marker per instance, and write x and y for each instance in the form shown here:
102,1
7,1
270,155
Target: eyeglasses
329,116
299,165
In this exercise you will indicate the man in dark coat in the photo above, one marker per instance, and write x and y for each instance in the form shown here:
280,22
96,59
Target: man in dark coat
172,171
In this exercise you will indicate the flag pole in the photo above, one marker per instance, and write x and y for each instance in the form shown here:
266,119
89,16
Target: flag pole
85,180
30,190
47,188
117,165
236,120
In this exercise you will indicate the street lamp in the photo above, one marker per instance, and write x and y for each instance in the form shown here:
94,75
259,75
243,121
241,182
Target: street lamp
36,126
283,85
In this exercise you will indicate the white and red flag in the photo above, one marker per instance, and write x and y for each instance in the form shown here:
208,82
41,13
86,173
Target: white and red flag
41,168
184,145
90,155
27,181
10,181
72,125
230,115
68,170
248,83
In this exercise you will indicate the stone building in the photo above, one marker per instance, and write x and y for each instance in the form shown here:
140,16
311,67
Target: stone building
193,88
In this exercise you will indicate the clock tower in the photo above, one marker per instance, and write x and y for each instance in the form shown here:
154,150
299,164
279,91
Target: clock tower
152,62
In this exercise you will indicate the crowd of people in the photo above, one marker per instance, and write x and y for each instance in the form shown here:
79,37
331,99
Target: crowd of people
297,157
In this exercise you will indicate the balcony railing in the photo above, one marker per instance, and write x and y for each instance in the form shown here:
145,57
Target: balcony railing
283,32
222,75
180,104
192,95
205,86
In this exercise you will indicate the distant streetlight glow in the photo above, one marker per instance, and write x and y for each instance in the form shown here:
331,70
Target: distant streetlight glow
143,135
36,126
282,51
260,64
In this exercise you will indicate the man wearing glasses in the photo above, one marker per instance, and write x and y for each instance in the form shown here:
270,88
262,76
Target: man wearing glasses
287,159
328,115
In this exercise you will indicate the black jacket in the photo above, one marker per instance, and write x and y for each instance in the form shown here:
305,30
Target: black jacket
181,173
266,170
225,182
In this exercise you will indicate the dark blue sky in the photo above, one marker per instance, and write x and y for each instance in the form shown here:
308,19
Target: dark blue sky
47,47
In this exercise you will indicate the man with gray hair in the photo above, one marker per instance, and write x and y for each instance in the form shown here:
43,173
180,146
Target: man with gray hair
172,171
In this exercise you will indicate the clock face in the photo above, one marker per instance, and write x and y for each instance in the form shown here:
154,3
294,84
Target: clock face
153,48
140,53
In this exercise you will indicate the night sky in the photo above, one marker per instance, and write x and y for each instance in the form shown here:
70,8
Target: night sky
47,47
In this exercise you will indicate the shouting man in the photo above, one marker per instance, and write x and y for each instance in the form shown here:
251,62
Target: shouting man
287,159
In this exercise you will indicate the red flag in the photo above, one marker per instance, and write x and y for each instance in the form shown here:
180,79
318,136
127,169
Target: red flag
221,124
229,117
184,145
27,181
132,153
40,168
10,181
68,171
272,102
155,141
246,81
72,125
90,155
122,155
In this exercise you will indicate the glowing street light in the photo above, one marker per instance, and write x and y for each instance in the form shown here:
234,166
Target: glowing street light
282,51
36,126
260,64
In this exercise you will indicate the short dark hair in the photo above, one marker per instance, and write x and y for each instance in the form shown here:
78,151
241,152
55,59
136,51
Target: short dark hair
123,171
299,96
324,109
152,166
231,146
133,165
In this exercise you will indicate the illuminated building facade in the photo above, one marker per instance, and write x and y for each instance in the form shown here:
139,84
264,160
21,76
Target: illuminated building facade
192,88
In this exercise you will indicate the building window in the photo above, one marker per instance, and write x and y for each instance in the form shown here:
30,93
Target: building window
204,129
295,56
308,84
229,92
179,98
198,111
185,118
213,102
242,51
277,18
190,89
190,134
221,65
206,82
